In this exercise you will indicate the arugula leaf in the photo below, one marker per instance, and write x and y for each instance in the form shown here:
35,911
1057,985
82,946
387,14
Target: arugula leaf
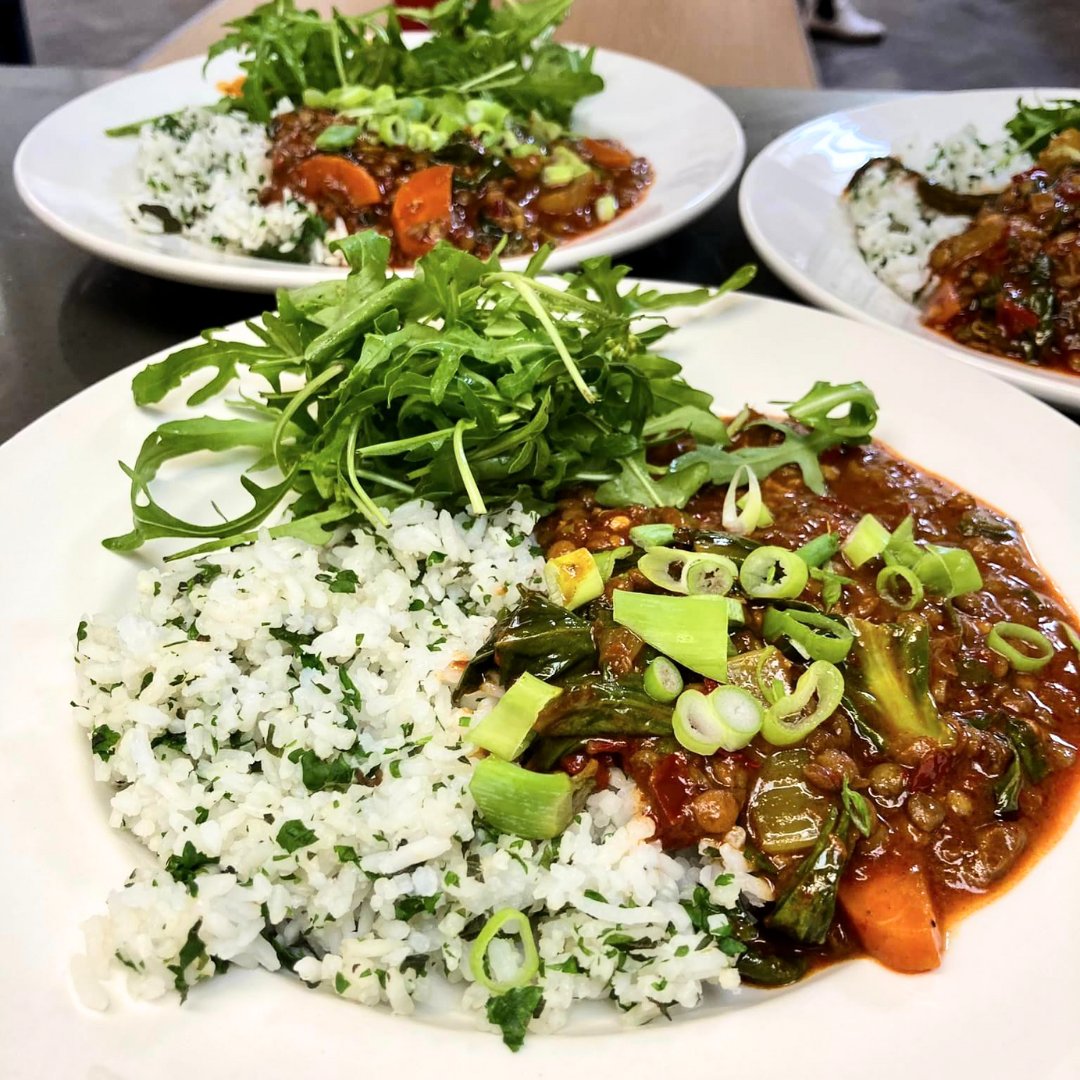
330,774
1034,126
512,1011
465,384
103,741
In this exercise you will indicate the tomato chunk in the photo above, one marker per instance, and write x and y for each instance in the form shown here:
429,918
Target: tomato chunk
421,211
890,909
342,180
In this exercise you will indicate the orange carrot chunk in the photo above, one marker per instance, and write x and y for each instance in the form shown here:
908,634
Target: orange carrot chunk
343,180
421,211
607,155
890,909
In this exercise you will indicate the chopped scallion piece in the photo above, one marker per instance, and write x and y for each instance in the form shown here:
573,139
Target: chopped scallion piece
1072,635
773,573
692,630
904,596
666,567
999,640
695,723
740,716
480,960
816,636
606,560
573,579
649,536
662,681
817,552
536,806
711,575
337,137
948,572
505,730
901,550
744,522
786,721
605,208
866,541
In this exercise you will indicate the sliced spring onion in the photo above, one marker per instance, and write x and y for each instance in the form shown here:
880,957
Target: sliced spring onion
742,522
740,716
890,590
866,541
765,518
573,579
337,137
692,630
695,723
710,574
666,567
736,613
1072,635
773,573
662,681
606,560
480,961
998,640
817,552
505,730
815,635
787,722
605,209
901,550
948,572
536,806
648,536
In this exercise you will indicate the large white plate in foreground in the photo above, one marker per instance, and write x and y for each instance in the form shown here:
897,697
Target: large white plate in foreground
76,180
62,492
789,203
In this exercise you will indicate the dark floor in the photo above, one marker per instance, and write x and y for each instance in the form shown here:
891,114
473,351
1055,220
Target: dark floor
931,44
960,44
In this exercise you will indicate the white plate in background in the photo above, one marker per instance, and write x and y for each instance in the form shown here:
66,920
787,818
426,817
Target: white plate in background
789,201
76,179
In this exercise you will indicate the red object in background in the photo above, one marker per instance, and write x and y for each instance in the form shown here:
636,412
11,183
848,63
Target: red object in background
412,24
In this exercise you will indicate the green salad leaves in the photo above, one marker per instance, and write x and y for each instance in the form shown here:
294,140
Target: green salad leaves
1034,126
502,52
467,385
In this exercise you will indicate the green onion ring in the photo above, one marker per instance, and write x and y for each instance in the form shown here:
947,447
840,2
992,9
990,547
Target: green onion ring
649,536
996,639
783,724
758,576
739,716
886,587
662,682
1072,635
949,572
530,963
710,574
695,724
832,643
866,541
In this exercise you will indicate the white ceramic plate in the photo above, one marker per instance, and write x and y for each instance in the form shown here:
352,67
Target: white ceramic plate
1018,958
789,202
75,179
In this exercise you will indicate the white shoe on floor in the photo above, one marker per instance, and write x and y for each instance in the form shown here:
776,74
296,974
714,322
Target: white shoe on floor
846,24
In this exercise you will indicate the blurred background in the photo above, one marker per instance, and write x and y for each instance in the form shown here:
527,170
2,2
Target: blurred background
926,44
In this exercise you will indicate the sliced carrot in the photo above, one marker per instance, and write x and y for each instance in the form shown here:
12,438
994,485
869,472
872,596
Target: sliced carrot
607,155
328,175
233,88
890,909
421,211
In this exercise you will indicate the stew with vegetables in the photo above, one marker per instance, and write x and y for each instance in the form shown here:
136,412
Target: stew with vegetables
863,673
470,192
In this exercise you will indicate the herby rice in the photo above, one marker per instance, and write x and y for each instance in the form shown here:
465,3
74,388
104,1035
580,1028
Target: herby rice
233,709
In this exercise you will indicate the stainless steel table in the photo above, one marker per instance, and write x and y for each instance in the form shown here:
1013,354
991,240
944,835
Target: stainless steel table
68,319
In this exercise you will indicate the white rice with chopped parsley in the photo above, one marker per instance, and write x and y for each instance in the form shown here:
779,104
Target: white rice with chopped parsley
895,231
236,677
200,173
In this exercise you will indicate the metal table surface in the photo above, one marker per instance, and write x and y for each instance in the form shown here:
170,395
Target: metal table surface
68,319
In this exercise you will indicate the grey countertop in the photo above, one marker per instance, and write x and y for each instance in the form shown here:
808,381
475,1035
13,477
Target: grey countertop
68,319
